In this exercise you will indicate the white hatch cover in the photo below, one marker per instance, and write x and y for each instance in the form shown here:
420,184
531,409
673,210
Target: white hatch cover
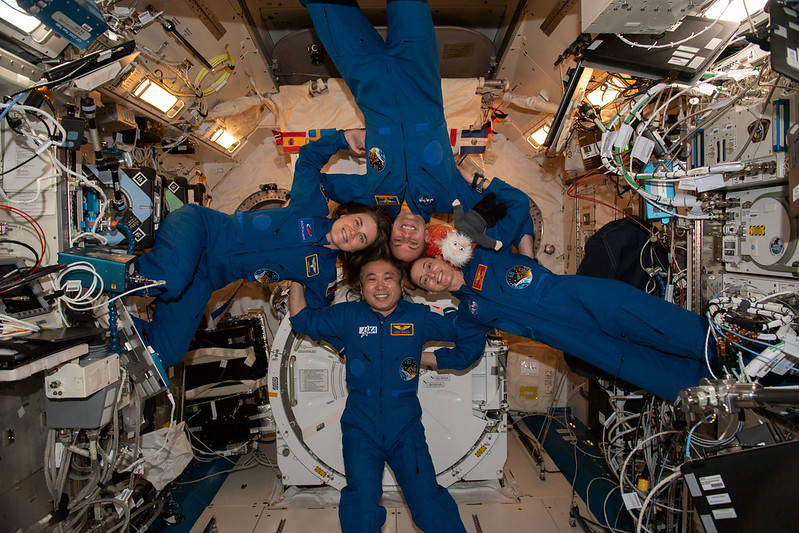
461,413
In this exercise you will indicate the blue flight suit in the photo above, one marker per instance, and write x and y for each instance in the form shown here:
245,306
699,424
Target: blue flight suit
381,421
397,85
638,337
198,250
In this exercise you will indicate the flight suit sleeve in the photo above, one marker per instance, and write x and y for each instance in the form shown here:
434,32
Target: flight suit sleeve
517,222
315,296
320,324
308,175
468,336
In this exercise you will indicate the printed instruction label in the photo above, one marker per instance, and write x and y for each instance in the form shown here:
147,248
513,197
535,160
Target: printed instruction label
714,482
724,514
718,499
631,500
313,380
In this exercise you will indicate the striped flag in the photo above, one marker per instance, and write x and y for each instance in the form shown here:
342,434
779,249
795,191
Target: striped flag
471,141
292,141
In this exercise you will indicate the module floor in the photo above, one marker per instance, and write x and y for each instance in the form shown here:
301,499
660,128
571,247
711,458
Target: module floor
527,503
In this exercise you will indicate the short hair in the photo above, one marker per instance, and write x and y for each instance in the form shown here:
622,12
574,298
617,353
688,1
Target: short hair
354,263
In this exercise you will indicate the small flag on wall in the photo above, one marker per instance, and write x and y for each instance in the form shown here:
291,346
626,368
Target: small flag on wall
293,140
470,141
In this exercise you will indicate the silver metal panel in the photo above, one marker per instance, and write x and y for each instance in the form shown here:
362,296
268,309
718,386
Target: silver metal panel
22,436
463,53
633,16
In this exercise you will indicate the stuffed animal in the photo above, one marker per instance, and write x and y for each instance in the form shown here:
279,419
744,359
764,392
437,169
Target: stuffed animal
484,214
456,248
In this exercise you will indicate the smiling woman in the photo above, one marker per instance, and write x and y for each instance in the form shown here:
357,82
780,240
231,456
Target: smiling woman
625,332
198,250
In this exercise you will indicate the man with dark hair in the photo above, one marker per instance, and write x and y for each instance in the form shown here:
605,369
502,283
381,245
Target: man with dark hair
383,337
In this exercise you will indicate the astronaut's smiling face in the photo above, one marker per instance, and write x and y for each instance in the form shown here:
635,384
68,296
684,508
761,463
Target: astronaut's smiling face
435,275
408,236
381,286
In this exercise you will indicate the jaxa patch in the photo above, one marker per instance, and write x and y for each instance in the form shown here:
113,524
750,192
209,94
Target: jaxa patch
519,277
409,369
266,276
306,228
401,329
381,199
479,277
365,331
311,265
377,159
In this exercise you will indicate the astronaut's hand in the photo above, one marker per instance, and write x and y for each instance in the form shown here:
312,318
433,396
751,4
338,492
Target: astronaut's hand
357,140
428,360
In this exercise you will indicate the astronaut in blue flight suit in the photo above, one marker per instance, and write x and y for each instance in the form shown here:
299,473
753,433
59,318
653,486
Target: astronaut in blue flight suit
383,337
198,250
635,336
397,85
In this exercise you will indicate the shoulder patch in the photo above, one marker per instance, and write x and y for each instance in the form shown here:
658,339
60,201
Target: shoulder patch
479,277
311,265
519,277
401,329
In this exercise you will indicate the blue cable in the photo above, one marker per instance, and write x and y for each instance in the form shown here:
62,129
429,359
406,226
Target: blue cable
769,359
720,327
124,228
16,99
688,441
660,474
113,342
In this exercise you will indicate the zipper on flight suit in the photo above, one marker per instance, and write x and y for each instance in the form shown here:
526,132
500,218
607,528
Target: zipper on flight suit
380,394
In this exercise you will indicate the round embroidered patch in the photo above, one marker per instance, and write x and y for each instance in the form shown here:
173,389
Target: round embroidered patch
377,159
357,367
433,153
519,277
262,222
409,369
263,275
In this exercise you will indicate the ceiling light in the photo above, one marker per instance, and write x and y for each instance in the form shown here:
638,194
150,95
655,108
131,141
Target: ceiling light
602,96
158,97
733,10
225,140
13,14
537,138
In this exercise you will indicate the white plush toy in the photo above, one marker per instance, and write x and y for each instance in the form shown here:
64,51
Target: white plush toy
456,248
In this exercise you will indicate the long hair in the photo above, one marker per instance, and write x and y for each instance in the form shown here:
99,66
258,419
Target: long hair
353,261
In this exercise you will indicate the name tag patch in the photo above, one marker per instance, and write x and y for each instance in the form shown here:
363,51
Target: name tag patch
381,199
401,329
311,265
479,277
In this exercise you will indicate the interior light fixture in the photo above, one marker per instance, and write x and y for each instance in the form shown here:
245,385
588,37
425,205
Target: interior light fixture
158,97
735,12
225,139
16,16
601,96
537,138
